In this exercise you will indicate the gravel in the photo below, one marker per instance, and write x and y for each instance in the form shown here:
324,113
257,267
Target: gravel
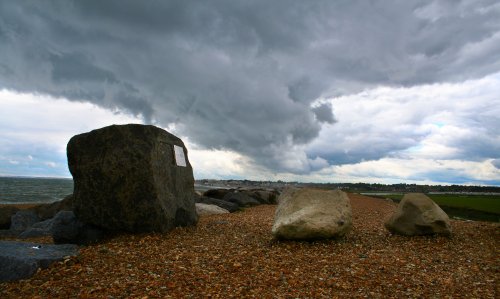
235,255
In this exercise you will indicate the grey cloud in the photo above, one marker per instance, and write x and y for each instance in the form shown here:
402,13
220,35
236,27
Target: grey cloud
324,113
304,90
239,75
483,145
496,163
77,67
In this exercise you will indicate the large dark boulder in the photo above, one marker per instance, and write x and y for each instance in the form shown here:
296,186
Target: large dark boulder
231,207
134,178
20,260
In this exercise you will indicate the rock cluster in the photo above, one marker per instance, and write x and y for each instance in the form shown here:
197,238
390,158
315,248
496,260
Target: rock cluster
39,212
234,200
64,227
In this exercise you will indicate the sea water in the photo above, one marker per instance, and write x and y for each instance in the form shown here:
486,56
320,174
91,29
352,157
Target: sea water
14,190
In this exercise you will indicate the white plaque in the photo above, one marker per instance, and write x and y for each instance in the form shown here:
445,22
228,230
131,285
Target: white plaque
180,160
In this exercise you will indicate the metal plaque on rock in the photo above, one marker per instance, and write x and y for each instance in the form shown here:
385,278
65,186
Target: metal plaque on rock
180,159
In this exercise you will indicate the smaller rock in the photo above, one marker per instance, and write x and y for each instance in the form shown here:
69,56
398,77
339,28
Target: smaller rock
417,214
241,199
231,207
208,209
22,220
19,260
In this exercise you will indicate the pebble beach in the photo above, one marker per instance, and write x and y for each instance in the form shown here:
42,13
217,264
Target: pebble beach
235,256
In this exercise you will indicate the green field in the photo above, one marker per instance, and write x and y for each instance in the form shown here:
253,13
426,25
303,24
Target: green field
485,203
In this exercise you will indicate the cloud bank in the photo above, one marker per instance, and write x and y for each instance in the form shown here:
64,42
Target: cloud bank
271,81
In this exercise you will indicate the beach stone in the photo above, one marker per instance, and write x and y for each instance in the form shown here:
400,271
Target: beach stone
67,229
22,220
134,178
20,260
229,206
208,209
305,214
417,214
241,199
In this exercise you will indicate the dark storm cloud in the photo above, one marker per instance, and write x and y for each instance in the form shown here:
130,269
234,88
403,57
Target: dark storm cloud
241,75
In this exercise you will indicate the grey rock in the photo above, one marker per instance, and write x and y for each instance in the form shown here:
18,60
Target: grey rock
241,199
19,260
231,207
305,214
417,214
130,178
23,220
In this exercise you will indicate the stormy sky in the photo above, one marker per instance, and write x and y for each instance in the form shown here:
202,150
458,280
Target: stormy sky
378,91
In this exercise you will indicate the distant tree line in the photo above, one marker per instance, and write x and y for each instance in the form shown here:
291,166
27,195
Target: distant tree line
355,186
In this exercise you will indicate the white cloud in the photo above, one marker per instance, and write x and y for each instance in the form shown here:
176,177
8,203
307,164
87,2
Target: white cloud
42,119
439,121
36,128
